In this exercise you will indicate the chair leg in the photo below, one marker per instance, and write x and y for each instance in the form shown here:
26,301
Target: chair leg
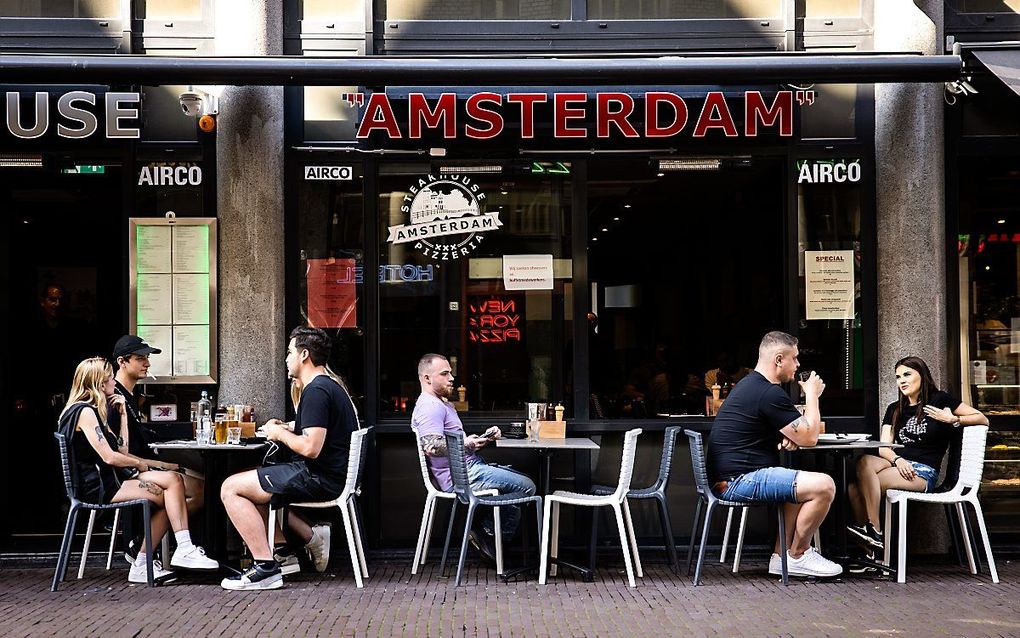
621,525
271,529
632,537
358,540
113,539
428,530
464,544
726,535
972,540
164,548
954,532
694,535
980,516
554,550
88,542
784,551
962,515
498,527
817,539
449,533
738,552
594,540
901,544
704,543
887,532
426,517
147,523
345,512
543,562
65,548
667,530
359,520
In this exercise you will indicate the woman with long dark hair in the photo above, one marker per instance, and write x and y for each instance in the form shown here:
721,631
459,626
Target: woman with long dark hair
922,420
95,451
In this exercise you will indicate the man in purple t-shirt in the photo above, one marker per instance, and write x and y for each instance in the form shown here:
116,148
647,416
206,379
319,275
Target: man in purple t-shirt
434,416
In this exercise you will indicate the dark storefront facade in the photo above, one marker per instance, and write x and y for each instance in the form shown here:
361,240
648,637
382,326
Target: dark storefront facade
665,256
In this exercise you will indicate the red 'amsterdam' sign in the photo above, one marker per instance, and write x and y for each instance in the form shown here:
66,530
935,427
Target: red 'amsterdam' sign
485,115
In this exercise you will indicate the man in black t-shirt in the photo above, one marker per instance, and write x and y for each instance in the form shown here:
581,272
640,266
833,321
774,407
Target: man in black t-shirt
320,437
755,422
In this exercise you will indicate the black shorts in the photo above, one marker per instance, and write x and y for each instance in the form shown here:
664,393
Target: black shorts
294,483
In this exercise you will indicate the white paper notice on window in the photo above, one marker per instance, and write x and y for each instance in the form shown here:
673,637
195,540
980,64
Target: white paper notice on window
829,284
1014,335
528,272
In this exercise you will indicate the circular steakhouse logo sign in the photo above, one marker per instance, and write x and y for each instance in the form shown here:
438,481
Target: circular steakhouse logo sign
445,217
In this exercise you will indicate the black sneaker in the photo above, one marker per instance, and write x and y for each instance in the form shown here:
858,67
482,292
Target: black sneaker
255,579
131,551
867,536
483,545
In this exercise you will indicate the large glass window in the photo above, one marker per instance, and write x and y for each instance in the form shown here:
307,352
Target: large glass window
331,281
686,272
833,114
829,214
989,254
447,291
986,6
829,8
681,9
59,8
477,10
168,9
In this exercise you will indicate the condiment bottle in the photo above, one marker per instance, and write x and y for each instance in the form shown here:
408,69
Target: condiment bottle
559,411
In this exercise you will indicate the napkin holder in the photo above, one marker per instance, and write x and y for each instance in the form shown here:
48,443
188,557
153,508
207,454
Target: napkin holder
553,430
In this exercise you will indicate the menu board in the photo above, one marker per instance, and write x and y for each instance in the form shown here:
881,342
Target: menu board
332,293
173,295
829,284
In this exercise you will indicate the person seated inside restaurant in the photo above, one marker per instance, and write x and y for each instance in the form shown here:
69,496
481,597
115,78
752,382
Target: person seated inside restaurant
94,449
727,373
433,416
131,362
756,421
923,420
320,439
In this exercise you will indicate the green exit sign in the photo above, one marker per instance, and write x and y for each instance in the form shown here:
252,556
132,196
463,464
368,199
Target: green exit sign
86,169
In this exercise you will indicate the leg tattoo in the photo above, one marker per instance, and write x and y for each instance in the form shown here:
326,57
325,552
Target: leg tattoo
151,488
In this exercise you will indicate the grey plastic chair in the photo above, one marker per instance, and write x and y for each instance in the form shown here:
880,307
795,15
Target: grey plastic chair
708,500
72,518
657,491
465,496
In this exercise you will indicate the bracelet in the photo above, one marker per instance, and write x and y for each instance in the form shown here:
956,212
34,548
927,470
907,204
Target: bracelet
895,458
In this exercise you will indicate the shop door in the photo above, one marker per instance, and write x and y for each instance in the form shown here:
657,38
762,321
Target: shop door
62,287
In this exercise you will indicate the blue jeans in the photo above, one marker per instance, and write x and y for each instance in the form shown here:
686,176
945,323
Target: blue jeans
767,485
926,472
485,476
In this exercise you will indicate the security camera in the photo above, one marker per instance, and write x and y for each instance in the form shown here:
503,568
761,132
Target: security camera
191,102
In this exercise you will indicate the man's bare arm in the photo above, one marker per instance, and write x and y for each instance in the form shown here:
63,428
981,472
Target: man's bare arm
434,445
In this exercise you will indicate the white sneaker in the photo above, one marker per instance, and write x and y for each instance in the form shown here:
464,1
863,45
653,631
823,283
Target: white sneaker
318,547
812,564
776,565
193,558
288,564
137,573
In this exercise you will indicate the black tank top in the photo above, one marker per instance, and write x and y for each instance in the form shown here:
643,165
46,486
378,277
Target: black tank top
92,480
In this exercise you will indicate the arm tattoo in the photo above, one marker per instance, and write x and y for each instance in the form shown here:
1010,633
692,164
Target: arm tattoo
434,444
794,425
150,487
100,436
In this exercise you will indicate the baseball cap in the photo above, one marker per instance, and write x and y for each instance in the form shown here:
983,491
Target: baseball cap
132,344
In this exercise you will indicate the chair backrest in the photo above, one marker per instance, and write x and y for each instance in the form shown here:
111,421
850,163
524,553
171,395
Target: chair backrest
65,464
972,456
362,461
627,462
699,463
458,466
426,474
666,463
354,459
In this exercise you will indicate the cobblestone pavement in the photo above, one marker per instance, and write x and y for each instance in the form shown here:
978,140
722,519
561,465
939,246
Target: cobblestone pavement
939,600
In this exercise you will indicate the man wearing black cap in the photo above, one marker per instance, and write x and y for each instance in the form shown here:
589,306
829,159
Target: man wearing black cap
131,359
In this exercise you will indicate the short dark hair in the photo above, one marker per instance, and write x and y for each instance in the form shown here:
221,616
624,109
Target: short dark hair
426,360
315,341
776,339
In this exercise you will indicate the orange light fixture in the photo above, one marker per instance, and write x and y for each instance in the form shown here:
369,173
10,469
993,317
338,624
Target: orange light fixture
207,123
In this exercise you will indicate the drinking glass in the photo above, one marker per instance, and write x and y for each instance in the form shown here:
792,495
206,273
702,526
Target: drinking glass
234,434
534,427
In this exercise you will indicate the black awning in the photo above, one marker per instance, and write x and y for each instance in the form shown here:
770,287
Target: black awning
1004,64
374,71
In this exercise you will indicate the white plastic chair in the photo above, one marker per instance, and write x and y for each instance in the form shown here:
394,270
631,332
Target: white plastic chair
348,510
432,494
816,540
972,461
113,541
617,500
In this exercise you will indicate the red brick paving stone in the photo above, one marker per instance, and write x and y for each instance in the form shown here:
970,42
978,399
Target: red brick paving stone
939,600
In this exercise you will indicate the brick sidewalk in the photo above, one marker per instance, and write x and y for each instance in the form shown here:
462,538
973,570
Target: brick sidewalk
939,600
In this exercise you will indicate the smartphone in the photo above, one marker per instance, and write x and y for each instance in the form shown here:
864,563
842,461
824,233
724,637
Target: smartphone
490,433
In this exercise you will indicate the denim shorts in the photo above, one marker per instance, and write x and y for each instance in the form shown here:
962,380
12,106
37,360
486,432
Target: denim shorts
767,485
926,472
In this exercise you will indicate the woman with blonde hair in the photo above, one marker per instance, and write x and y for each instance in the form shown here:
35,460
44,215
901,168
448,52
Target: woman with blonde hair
94,450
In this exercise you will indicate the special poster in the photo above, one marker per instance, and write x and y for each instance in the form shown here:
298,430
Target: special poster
332,293
829,284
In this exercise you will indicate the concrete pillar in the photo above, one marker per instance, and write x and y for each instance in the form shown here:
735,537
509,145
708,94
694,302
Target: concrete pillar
909,149
249,199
